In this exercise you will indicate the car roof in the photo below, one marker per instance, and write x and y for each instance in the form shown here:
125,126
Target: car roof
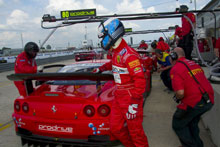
83,65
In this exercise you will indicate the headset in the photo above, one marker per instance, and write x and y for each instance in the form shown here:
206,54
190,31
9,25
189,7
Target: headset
173,56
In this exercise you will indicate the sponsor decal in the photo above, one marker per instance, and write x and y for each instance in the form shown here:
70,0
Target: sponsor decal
19,122
99,129
55,128
171,76
22,60
123,51
134,63
137,69
196,71
118,59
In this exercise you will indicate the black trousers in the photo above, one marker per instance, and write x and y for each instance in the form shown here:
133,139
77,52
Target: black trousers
185,124
165,76
187,45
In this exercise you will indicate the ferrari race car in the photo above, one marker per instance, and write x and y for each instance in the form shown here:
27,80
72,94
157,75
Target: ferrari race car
71,107
89,55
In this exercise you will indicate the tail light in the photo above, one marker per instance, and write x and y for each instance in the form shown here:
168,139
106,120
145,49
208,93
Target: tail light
104,110
17,106
25,107
89,111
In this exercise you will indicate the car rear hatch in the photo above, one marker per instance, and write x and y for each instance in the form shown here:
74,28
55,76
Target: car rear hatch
61,102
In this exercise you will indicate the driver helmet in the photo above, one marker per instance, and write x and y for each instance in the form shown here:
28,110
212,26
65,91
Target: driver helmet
31,49
110,31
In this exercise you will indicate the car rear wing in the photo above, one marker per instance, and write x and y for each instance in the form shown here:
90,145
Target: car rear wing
143,51
28,78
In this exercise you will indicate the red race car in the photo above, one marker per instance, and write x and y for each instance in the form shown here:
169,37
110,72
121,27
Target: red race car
88,55
70,107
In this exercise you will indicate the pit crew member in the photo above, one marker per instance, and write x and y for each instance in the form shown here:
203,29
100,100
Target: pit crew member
127,107
178,34
163,60
187,33
143,45
25,63
163,46
195,98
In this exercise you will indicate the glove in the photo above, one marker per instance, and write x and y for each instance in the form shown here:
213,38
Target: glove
176,99
132,111
40,69
96,70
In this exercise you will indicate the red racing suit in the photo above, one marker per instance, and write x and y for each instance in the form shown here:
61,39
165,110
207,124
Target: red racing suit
23,64
130,85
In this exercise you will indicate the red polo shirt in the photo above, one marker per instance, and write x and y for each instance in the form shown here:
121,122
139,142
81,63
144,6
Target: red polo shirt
182,80
178,32
143,46
186,26
163,46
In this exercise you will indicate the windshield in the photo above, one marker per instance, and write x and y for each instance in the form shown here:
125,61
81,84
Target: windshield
82,67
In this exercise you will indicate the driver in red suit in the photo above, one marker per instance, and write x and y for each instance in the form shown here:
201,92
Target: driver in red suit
25,63
127,108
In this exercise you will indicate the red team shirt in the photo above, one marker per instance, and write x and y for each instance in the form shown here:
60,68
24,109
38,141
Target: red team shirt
143,46
186,26
178,32
163,46
182,80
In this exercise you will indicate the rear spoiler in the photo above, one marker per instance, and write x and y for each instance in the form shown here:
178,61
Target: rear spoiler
27,78
61,76
143,51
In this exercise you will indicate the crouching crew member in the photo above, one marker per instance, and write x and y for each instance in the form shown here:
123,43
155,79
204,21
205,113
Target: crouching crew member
163,60
127,107
195,94
25,63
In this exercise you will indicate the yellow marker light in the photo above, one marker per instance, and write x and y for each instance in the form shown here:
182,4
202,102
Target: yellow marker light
76,115
34,113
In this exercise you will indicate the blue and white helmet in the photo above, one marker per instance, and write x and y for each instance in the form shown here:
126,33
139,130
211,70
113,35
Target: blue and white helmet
110,31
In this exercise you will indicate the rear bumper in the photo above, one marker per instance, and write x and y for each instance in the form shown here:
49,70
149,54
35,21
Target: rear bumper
32,127
93,140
